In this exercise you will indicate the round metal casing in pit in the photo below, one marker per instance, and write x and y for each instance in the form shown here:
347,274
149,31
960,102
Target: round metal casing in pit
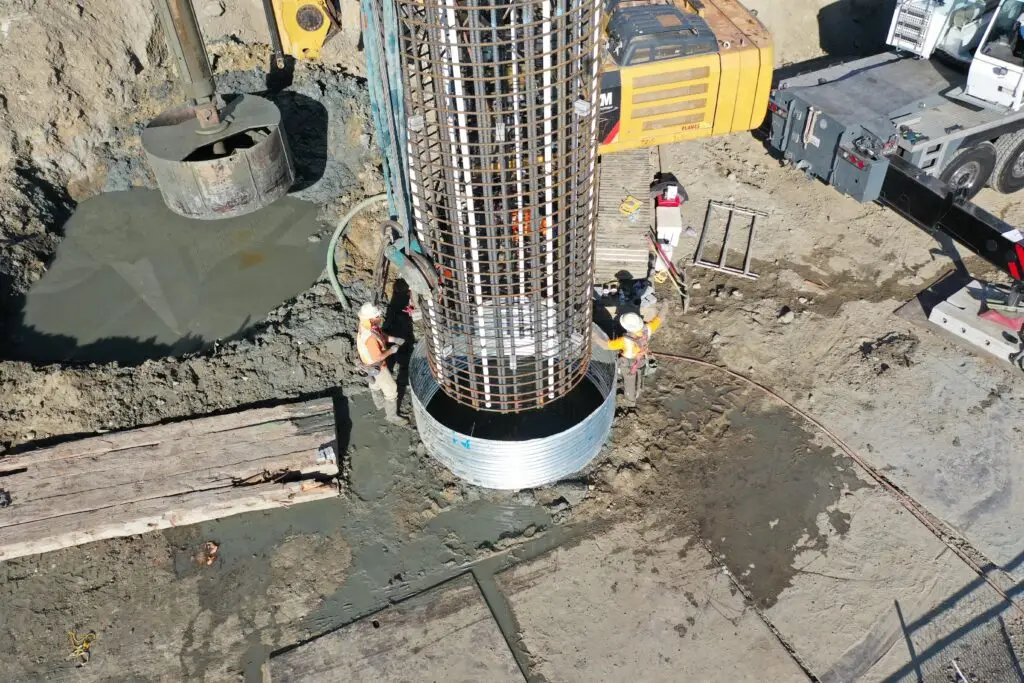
230,169
513,464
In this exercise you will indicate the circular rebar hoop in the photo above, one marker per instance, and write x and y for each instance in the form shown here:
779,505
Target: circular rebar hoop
502,106
512,465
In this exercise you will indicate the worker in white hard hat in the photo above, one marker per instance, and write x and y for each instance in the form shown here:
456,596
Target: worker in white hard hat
633,352
375,347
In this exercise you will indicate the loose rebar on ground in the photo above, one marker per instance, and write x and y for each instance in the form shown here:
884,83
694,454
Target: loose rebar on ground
501,99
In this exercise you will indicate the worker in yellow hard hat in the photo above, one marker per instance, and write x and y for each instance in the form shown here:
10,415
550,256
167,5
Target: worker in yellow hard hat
375,347
633,352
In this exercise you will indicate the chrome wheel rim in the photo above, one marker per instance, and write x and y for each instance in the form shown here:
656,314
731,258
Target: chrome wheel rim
966,176
1018,164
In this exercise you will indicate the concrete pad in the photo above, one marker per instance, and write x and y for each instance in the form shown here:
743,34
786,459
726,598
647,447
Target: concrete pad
445,634
630,605
948,431
885,600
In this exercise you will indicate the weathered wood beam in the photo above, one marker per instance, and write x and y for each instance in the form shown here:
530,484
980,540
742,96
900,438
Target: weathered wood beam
166,475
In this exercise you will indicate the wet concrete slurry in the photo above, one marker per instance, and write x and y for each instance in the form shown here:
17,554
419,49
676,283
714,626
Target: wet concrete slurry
755,501
397,543
744,476
759,496
707,462
131,280
443,634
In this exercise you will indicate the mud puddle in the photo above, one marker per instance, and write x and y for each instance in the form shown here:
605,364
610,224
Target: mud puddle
131,280
744,476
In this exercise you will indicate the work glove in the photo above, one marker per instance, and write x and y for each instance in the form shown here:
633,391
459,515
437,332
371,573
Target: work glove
397,341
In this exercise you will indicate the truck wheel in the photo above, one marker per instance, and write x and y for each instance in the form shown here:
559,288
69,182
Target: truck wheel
1008,175
970,169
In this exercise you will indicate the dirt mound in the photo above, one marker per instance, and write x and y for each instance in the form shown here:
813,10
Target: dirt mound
66,101
890,350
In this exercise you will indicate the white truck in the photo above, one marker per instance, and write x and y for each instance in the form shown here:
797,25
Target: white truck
924,127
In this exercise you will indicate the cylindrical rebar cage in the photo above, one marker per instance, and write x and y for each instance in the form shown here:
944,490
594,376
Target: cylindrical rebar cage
502,104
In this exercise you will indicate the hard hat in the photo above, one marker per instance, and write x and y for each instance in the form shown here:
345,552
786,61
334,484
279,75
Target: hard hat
369,311
631,322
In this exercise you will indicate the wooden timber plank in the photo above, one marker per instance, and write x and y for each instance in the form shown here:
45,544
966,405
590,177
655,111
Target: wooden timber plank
186,447
151,515
620,252
621,245
100,497
130,467
90,488
145,436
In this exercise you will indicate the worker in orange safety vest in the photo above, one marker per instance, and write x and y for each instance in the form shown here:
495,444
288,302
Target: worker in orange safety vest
633,352
375,347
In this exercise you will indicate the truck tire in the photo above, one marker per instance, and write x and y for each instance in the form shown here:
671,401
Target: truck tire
1008,175
970,169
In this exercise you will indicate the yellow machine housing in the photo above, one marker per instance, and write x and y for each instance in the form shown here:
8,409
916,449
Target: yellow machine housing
682,70
303,26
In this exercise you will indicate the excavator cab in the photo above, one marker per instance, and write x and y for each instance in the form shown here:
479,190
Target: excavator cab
654,33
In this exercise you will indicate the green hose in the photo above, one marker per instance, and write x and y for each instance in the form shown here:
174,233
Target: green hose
332,273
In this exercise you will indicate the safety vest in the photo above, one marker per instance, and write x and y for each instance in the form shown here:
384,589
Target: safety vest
371,342
634,348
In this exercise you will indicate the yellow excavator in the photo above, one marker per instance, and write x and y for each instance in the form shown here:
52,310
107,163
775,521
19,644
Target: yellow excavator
673,69
681,70
299,28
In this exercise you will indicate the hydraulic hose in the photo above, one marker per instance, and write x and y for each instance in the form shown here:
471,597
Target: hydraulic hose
332,272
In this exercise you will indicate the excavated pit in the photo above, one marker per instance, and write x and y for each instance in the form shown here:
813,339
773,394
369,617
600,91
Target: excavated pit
54,235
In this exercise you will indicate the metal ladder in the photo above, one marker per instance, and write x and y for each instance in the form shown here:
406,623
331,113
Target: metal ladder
913,17
731,211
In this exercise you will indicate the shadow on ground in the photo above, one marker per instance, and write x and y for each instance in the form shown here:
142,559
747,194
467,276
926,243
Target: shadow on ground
980,647
854,28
